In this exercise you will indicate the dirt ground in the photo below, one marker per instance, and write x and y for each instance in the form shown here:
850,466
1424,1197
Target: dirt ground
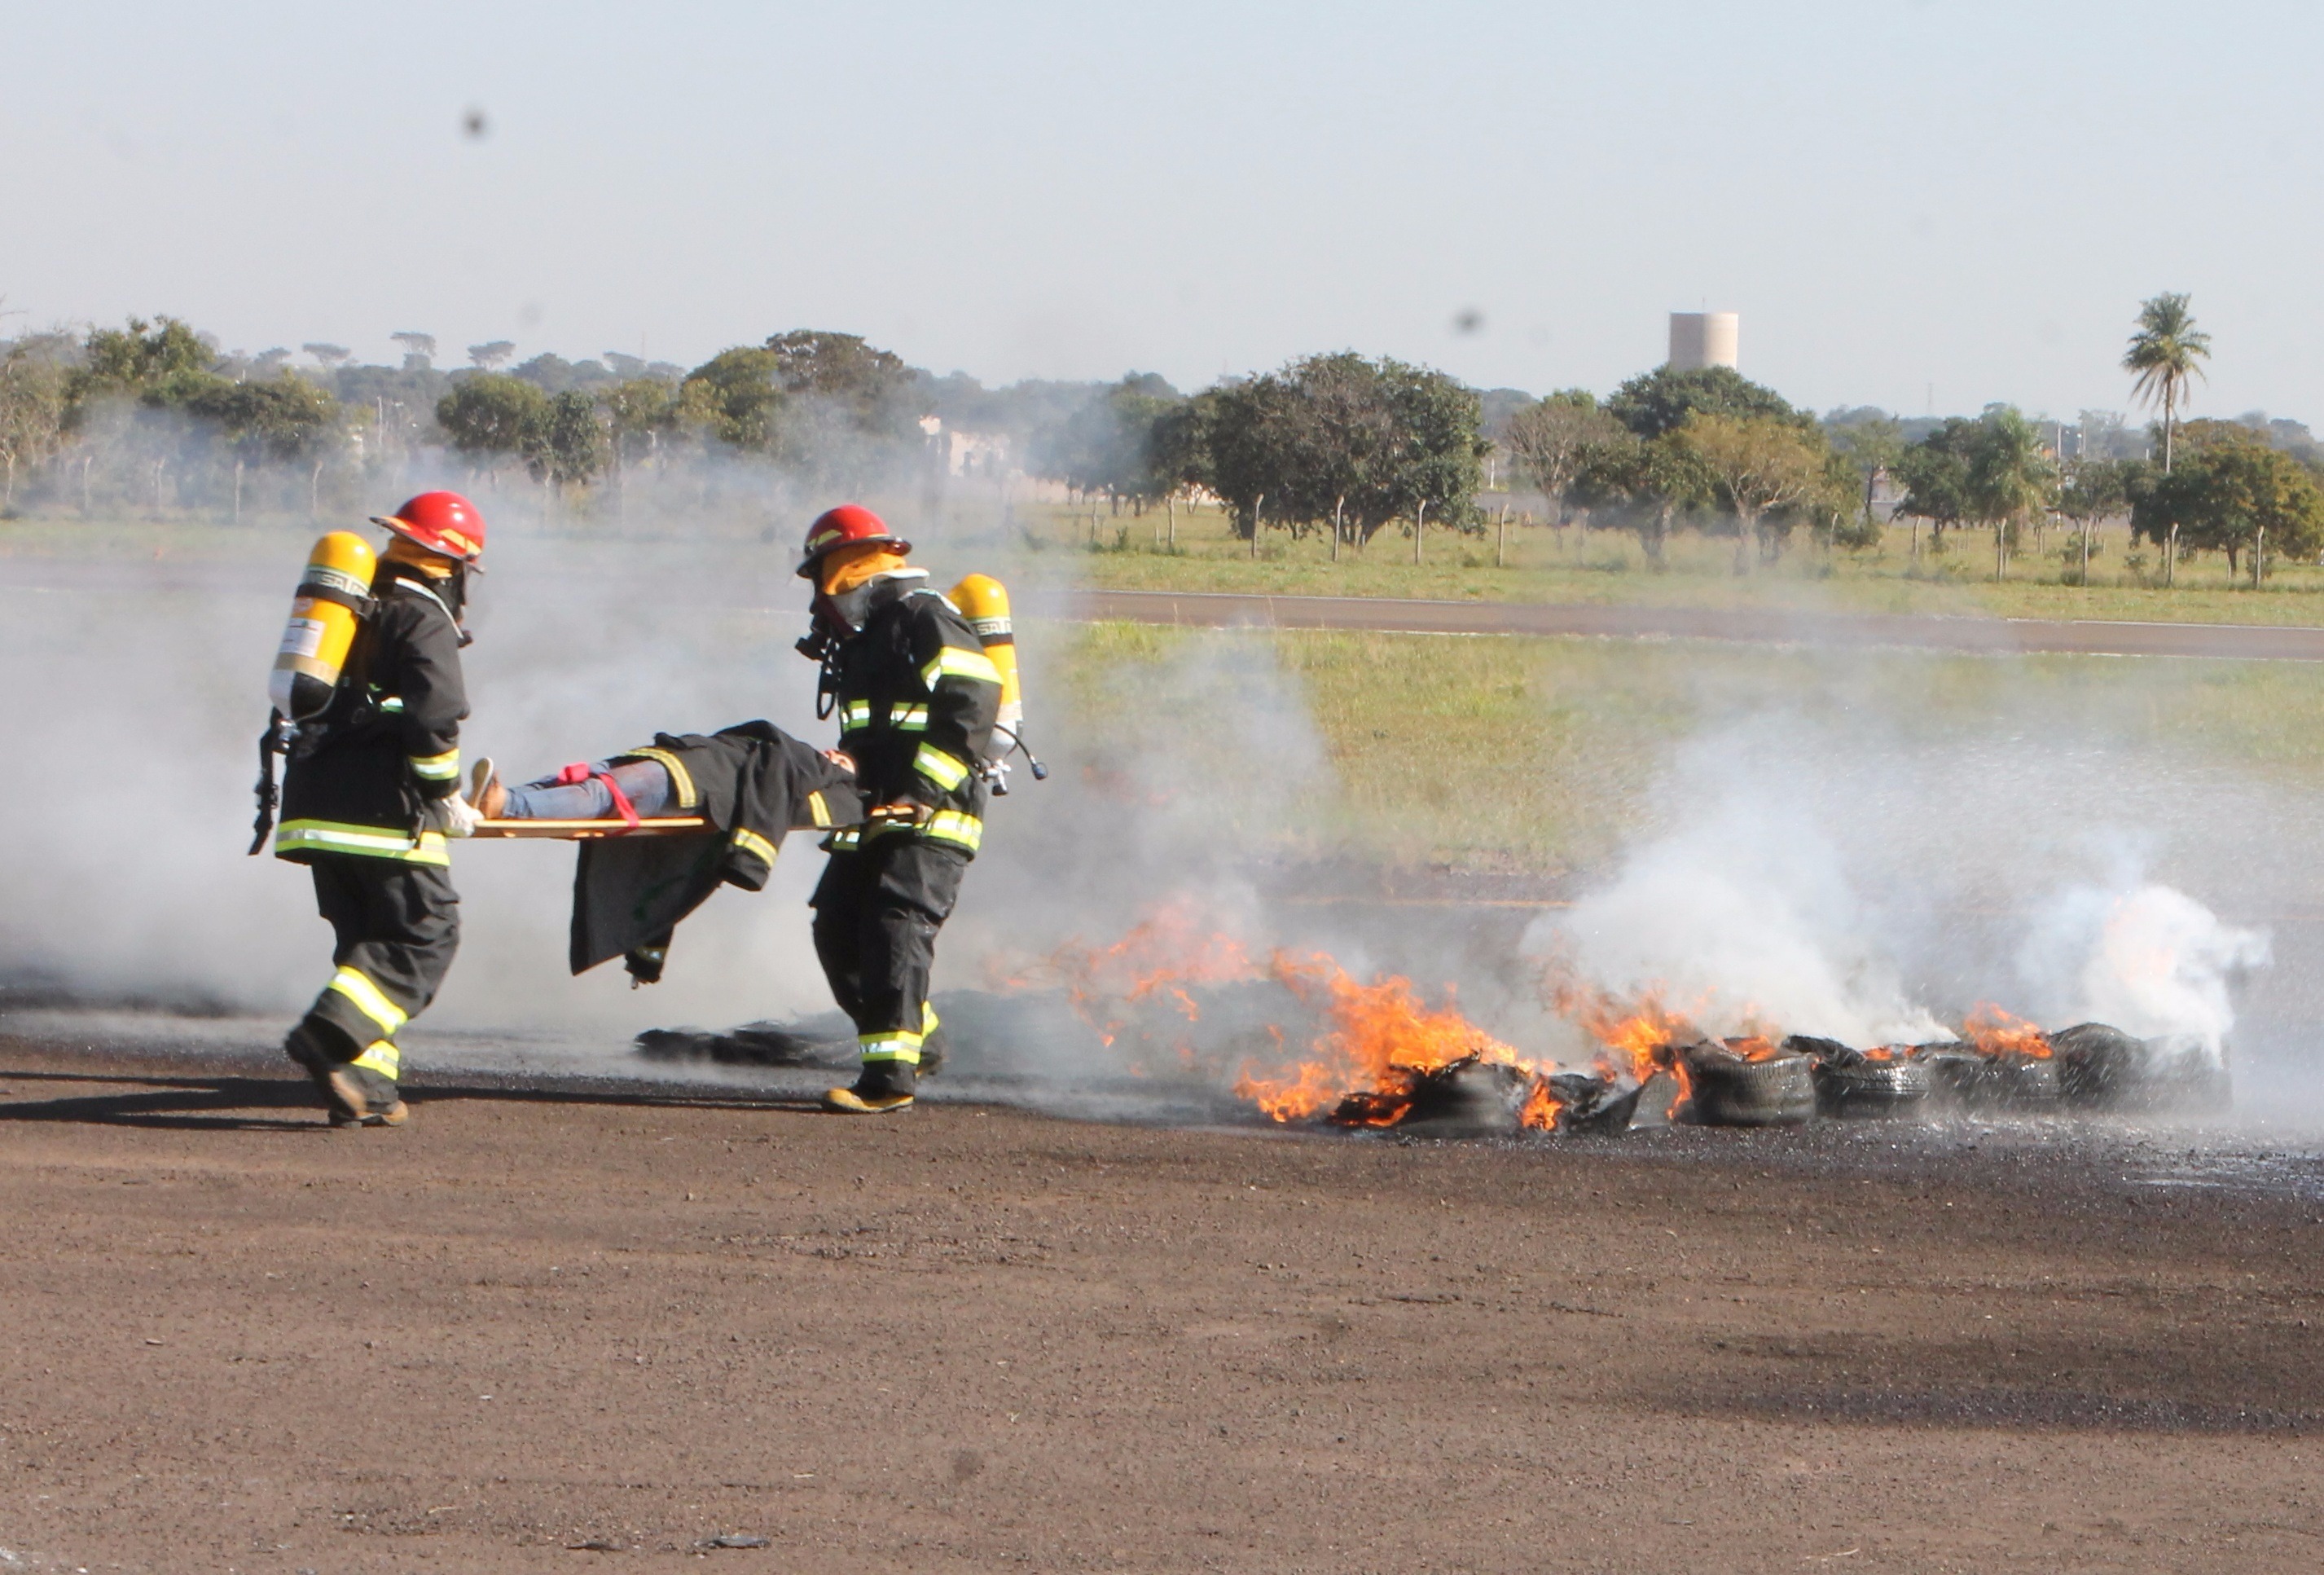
541,1328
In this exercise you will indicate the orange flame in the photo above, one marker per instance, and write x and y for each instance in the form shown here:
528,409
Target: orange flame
1539,1111
1381,1038
1639,1036
1996,1032
1169,949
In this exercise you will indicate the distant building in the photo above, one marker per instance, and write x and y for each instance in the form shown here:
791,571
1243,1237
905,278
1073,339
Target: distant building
1703,339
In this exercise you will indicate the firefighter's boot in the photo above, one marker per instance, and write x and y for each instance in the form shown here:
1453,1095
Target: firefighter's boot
364,1096
882,1087
354,1095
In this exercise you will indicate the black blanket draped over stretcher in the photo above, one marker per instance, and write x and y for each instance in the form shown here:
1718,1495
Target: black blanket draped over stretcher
752,784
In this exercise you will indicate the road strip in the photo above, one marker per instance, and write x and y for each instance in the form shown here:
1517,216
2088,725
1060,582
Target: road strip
1755,625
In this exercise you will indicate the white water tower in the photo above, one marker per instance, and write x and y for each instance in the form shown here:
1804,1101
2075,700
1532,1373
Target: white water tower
1703,339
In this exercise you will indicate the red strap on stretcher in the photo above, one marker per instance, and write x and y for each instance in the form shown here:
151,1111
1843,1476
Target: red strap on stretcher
574,774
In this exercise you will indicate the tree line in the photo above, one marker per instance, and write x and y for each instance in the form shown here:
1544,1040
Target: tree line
1711,449
153,411
1339,447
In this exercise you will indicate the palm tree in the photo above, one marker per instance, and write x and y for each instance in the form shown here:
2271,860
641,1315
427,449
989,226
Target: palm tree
2164,352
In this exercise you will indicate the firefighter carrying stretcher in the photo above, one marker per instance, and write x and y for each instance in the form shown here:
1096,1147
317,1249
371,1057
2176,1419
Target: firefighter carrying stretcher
917,699
369,682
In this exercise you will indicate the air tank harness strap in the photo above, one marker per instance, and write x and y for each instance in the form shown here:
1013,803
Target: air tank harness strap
363,607
574,774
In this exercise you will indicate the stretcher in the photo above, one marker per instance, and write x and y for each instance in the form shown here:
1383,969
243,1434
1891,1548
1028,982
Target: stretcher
589,830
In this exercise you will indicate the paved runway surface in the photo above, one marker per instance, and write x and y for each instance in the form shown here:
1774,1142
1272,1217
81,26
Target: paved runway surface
1997,636
769,585
555,1319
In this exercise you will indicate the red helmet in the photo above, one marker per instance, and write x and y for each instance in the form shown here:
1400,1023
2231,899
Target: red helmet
844,526
442,521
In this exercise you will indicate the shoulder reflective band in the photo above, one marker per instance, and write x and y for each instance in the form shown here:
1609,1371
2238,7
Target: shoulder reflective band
749,841
383,1058
907,718
901,1044
681,781
946,770
953,826
952,662
855,714
369,841
444,767
356,987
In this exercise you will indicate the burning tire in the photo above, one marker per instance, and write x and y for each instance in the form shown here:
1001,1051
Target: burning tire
1469,1099
1587,1102
1978,1081
2101,1067
1732,1091
1861,1086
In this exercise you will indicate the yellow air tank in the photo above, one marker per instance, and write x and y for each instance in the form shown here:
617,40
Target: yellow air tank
983,601
334,592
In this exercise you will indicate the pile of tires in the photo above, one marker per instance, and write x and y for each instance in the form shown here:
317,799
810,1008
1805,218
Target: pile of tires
1732,1090
2101,1067
1855,1083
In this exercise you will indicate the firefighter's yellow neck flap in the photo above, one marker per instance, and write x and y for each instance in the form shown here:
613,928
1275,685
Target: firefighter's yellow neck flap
846,568
435,565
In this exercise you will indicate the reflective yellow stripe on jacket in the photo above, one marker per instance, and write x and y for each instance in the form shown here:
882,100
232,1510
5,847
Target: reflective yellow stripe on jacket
953,825
947,770
952,662
681,781
444,767
366,841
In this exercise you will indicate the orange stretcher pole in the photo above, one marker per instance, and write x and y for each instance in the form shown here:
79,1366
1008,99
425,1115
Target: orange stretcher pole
587,830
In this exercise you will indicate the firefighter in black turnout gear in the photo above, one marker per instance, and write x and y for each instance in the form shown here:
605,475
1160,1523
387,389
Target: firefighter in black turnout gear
371,792
916,698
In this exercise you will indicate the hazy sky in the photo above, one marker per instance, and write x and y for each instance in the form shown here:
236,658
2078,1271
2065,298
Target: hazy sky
1906,202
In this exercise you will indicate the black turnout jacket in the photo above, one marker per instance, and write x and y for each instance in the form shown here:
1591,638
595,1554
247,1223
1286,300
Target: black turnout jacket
916,701
753,782
359,776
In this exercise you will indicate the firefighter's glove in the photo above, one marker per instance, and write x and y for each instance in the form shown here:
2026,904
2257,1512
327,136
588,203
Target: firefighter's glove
451,815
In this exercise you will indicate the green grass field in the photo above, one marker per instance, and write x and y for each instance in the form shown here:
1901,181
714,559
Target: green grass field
1535,756
1126,552
1058,544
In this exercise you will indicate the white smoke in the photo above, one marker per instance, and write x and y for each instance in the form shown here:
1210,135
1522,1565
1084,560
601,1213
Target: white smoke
1776,897
1743,918
2145,956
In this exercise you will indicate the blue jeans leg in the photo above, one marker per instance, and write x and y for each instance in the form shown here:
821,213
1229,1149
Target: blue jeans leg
646,783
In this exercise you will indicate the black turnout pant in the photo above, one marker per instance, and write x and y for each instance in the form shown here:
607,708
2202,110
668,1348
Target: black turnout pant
398,927
877,912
